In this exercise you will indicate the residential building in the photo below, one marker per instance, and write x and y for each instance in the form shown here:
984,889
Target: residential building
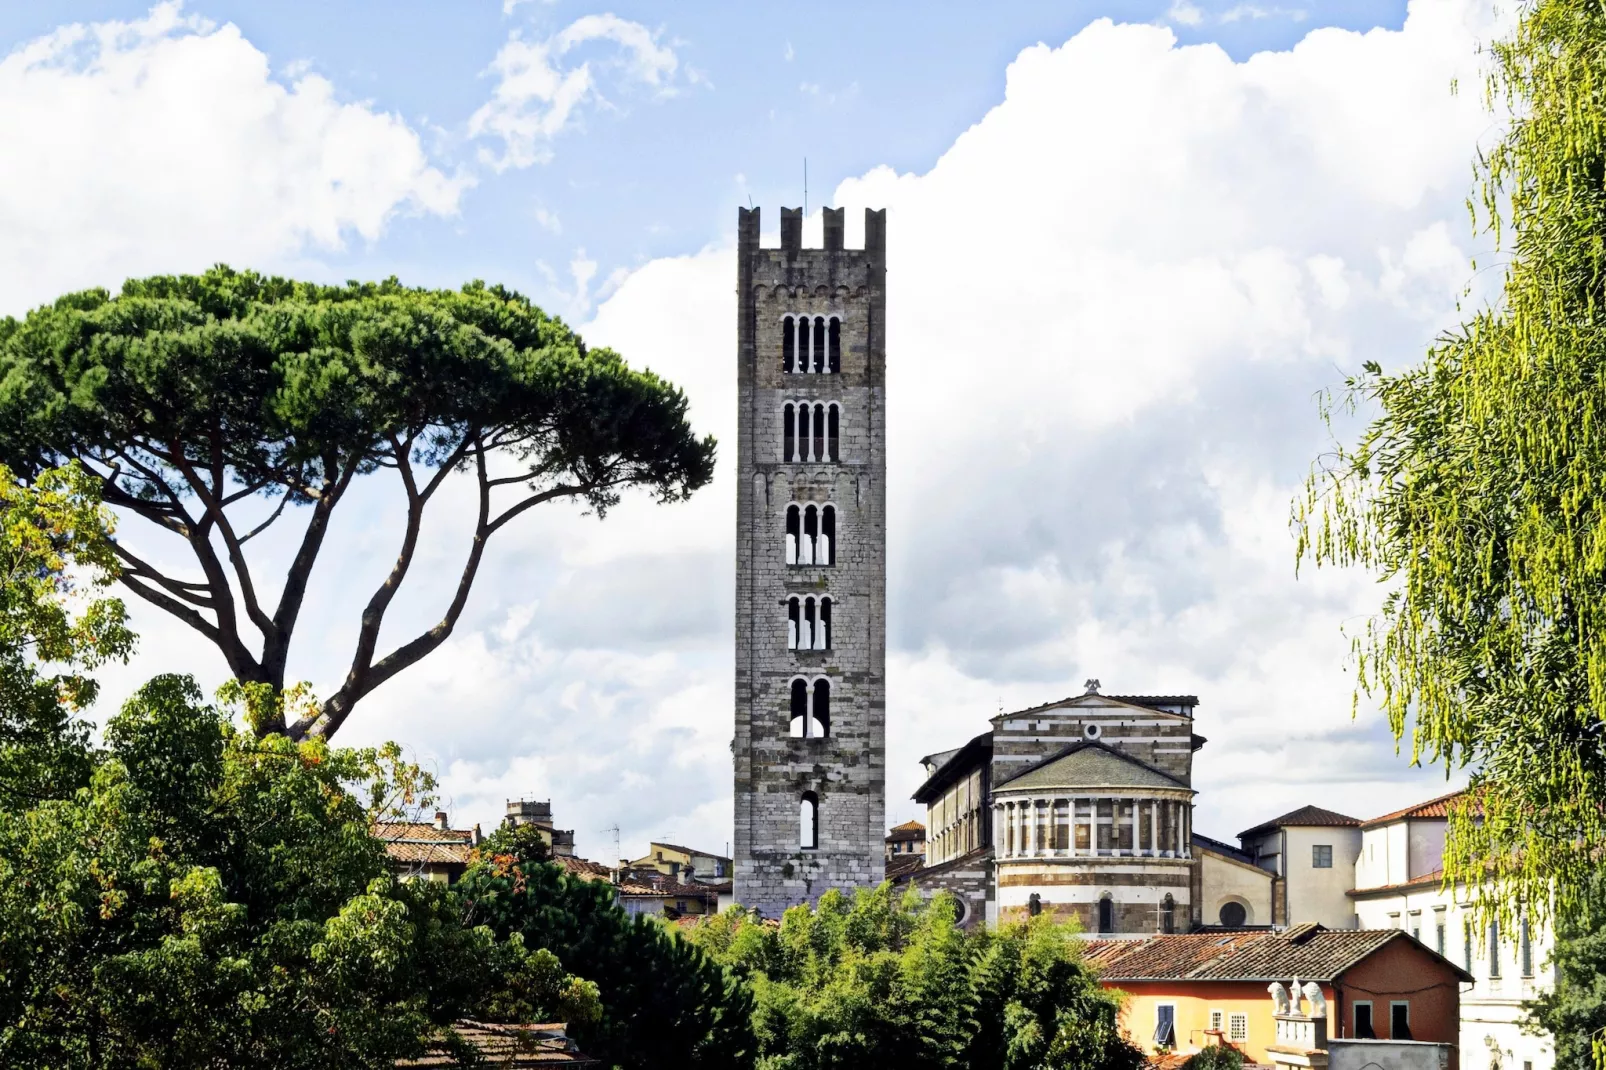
1399,884
906,839
507,1047
684,863
428,850
1081,808
1311,852
538,813
1188,991
648,891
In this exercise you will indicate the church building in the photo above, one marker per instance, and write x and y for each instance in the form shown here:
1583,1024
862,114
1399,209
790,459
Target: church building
1084,809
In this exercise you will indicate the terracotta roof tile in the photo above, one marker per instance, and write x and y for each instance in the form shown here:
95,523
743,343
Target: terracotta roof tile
1433,808
419,832
1306,817
444,853
1309,952
512,1046
580,867
1427,880
900,867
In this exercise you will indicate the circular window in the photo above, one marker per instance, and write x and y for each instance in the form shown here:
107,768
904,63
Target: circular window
1233,914
1091,731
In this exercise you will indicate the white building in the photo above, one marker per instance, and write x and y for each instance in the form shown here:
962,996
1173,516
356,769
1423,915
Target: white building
1398,876
1311,852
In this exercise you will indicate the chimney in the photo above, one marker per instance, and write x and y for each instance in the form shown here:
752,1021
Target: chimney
440,820
476,837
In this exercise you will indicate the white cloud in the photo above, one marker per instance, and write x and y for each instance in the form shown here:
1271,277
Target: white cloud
537,98
1184,13
1112,302
166,144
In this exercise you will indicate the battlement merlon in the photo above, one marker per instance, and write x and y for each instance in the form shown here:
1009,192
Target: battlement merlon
875,232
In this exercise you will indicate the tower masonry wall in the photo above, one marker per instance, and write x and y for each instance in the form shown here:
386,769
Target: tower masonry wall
844,769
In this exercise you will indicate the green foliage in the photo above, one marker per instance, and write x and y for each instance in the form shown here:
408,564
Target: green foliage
1573,1012
1476,496
1216,1057
51,531
213,899
895,983
665,1002
191,399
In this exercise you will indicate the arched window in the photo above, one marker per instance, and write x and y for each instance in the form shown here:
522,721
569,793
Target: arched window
821,721
811,432
818,349
1168,914
788,345
808,623
789,433
808,821
799,718
1034,904
835,345
794,534
1106,914
811,345
1232,914
810,536
833,432
810,709
817,426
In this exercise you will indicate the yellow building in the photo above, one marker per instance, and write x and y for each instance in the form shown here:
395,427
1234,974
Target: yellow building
683,863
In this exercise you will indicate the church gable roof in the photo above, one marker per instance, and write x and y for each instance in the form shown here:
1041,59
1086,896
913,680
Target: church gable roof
1090,764
1148,705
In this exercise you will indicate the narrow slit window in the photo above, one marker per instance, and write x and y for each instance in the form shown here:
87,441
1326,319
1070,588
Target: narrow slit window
1106,915
793,623
794,532
789,433
788,346
807,635
819,343
835,345
818,427
805,422
1494,948
822,637
1168,915
826,552
808,821
833,434
802,343
800,709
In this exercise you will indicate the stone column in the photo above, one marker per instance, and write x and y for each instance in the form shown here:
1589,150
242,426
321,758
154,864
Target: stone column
1154,828
1178,823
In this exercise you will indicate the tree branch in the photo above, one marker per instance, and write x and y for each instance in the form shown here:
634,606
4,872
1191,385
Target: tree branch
180,588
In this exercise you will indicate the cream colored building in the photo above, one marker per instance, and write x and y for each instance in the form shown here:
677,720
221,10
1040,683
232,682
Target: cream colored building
1311,852
1398,885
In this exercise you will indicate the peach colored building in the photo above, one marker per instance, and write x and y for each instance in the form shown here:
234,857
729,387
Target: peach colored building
1188,991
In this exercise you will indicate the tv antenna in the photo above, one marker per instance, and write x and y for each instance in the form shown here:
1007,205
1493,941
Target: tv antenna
614,828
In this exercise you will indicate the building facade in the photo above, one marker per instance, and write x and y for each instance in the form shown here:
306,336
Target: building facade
1081,809
1398,884
1311,854
809,747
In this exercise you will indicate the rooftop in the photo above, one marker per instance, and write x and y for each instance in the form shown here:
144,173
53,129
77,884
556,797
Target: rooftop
909,831
1433,808
1310,952
1304,817
1089,764
511,1046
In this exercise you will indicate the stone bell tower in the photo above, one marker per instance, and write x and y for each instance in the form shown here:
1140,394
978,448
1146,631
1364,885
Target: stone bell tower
810,746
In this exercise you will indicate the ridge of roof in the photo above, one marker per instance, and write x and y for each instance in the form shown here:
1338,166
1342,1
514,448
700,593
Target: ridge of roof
1084,744
1150,702
1432,808
1309,951
1306,816
942,770
1237,854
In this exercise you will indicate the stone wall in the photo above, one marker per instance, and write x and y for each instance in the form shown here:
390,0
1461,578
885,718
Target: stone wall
845,770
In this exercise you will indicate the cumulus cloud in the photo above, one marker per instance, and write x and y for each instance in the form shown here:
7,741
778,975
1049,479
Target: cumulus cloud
166,143
537,97
1112,303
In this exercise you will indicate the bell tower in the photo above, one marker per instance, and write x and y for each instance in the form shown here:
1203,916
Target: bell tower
810,745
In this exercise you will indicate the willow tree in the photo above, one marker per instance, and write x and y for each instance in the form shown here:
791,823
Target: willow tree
215,407
1476,494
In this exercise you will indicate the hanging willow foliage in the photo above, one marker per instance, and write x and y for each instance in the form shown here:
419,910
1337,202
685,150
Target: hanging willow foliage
1477,497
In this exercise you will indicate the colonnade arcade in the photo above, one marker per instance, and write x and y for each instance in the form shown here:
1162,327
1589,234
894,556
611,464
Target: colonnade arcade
1092,826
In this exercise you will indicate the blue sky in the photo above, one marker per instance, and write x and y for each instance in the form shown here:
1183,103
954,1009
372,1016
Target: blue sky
657,173
1125,257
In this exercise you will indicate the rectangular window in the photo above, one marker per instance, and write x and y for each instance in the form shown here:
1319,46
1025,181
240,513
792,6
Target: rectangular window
1321,856
1438,931
1218,1021
1165,1026
1526,950
1466,935
1416,926
1399,1020
1494,948
1363,1021
1238,1027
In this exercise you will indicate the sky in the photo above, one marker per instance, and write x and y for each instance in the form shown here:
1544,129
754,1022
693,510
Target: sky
1130,247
